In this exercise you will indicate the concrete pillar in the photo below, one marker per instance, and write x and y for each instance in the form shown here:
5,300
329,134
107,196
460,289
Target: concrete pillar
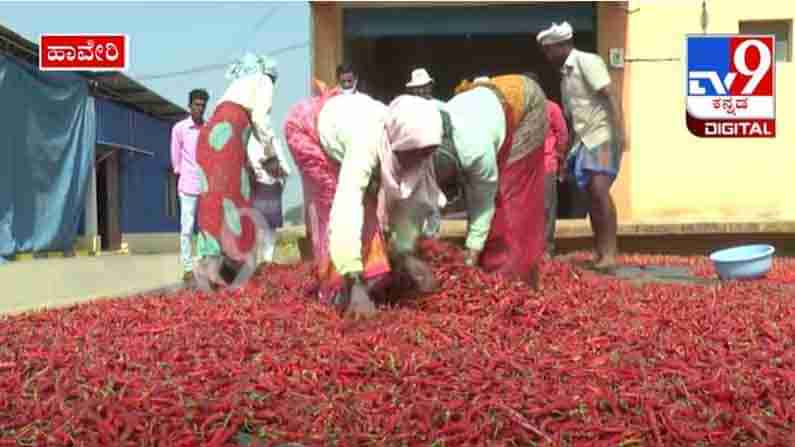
612,31
327,41
91,219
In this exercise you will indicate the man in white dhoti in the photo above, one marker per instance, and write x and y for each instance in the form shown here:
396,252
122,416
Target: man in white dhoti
594,112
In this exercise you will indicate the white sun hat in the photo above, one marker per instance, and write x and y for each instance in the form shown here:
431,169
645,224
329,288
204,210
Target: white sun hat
419,77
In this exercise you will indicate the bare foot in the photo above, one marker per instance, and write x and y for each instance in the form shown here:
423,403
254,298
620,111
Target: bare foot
208,271
605,263
355,301
361,306
421,274
534,279
341,301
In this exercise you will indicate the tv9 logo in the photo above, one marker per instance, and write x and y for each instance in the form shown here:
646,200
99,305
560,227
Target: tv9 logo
730,86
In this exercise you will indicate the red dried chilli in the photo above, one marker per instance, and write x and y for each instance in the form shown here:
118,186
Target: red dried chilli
588,360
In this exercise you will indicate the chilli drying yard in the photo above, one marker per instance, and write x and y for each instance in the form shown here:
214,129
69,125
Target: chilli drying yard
589,360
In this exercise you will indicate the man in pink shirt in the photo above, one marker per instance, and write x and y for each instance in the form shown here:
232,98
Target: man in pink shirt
184,137
555,148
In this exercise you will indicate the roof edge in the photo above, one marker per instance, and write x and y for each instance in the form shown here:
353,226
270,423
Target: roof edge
114,86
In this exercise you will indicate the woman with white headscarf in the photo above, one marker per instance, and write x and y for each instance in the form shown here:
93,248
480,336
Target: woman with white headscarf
229,166
345,146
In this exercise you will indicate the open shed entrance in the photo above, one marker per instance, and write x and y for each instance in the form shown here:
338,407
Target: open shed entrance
385,44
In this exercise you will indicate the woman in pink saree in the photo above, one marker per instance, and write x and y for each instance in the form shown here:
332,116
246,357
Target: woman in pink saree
341,211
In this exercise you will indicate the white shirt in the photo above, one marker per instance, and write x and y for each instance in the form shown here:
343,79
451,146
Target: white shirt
583,75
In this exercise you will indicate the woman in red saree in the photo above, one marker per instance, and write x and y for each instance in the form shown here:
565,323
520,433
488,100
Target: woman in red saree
226,169
499,126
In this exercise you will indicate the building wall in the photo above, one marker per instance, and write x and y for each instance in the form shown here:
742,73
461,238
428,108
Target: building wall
326,40
667,174
153,243
676,176
145,179
611,32
142,179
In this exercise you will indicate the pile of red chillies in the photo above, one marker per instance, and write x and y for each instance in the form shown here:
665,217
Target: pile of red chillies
586,361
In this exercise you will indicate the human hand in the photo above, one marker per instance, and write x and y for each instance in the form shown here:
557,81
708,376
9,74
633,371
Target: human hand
472,257
420,273
273,168
355,297
360,303
562,173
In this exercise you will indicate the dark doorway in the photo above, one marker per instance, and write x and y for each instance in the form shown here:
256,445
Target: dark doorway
385,64
108,209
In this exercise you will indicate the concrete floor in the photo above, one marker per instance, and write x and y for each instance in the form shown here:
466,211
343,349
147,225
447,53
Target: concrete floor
36,284
41,283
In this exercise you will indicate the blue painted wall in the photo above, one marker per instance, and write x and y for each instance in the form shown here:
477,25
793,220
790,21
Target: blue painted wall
142,179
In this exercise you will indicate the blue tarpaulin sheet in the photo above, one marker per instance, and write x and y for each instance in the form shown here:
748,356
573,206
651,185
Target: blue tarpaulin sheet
48,129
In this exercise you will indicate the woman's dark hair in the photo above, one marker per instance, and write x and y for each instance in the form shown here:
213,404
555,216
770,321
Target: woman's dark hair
198,93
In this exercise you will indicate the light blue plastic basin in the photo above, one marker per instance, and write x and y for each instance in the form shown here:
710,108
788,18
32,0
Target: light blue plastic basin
743,262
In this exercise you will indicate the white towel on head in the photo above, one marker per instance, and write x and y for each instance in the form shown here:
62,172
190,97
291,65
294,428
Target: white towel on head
555,34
